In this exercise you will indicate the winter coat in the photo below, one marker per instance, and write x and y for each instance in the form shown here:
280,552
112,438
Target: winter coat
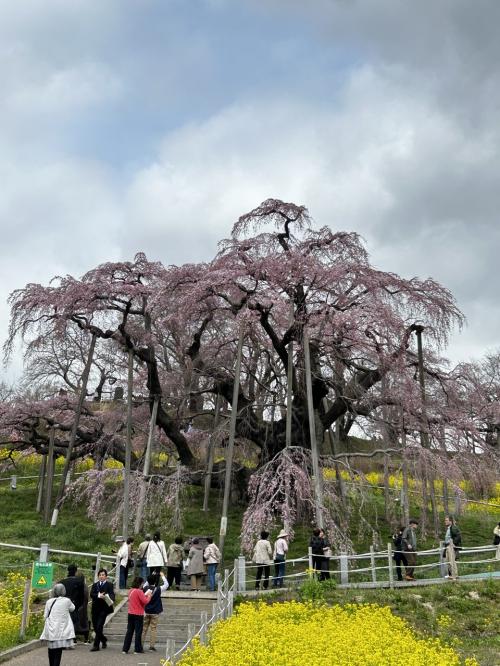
409,539
175,555
77,592
263,553
280,548
141,551
58,624
195,567
212,554
123,554
318,545
156,554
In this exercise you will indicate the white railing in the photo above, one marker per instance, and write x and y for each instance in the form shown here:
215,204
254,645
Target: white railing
221,610
43,555
348,571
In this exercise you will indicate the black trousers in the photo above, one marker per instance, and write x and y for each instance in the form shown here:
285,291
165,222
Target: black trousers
98,620
55,655
134,624
262,569
399,558
174,573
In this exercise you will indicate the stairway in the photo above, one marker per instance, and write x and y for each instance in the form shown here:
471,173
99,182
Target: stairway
179,610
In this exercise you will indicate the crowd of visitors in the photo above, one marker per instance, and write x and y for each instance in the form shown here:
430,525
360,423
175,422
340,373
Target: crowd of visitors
66,612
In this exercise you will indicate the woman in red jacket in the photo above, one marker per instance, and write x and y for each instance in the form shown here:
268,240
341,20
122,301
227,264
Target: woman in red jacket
137,600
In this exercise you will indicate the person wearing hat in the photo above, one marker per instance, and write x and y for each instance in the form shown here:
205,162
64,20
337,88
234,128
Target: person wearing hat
409,543
279,557
142,557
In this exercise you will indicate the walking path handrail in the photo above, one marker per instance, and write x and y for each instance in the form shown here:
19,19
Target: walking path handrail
222,609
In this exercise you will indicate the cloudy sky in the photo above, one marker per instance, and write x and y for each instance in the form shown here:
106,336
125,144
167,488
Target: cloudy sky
151,125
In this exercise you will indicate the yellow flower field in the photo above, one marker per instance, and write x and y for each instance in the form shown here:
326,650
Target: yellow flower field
11,606
295,634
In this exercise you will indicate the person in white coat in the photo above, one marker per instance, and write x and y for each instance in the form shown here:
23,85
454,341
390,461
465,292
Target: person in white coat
58,629
156,554
212,557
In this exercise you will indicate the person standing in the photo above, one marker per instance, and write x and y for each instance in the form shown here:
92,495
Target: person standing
123,557
58,629
175,555
77,592
327,552
452,543
153,608
262,556
142,558
279,556
196,568
103,596
409,542
398,554
212,557
156,555
496,540
317,546
137,601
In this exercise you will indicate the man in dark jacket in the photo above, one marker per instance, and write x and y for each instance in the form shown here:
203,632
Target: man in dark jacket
317,544
153,609
76,590
101,593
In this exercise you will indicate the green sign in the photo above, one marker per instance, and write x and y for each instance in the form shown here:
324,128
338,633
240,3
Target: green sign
42,575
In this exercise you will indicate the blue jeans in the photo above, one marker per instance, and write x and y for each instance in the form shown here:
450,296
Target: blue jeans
211,569
279,572
142,565
123,577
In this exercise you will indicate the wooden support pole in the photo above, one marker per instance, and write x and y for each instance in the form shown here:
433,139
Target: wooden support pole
50,477
230,446
317,480
41,483
211,455
74,429
147,463
128,445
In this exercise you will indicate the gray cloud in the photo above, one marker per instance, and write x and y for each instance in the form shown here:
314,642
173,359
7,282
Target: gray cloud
121,133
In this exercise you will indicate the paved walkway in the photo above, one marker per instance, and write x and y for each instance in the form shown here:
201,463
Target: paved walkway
81,656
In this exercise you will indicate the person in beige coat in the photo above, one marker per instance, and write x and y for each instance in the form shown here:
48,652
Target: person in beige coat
263,557
196,567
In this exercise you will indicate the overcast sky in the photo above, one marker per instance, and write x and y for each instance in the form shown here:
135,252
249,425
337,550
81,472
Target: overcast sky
151,125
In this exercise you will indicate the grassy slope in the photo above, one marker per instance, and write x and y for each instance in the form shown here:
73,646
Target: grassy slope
474,622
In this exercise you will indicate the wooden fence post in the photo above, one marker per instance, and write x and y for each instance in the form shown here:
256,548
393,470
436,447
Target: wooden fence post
389,564
372,564
170,650
344,568
203,628
97,567
26,609
310,557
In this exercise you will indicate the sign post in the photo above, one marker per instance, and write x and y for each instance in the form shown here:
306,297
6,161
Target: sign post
42,575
